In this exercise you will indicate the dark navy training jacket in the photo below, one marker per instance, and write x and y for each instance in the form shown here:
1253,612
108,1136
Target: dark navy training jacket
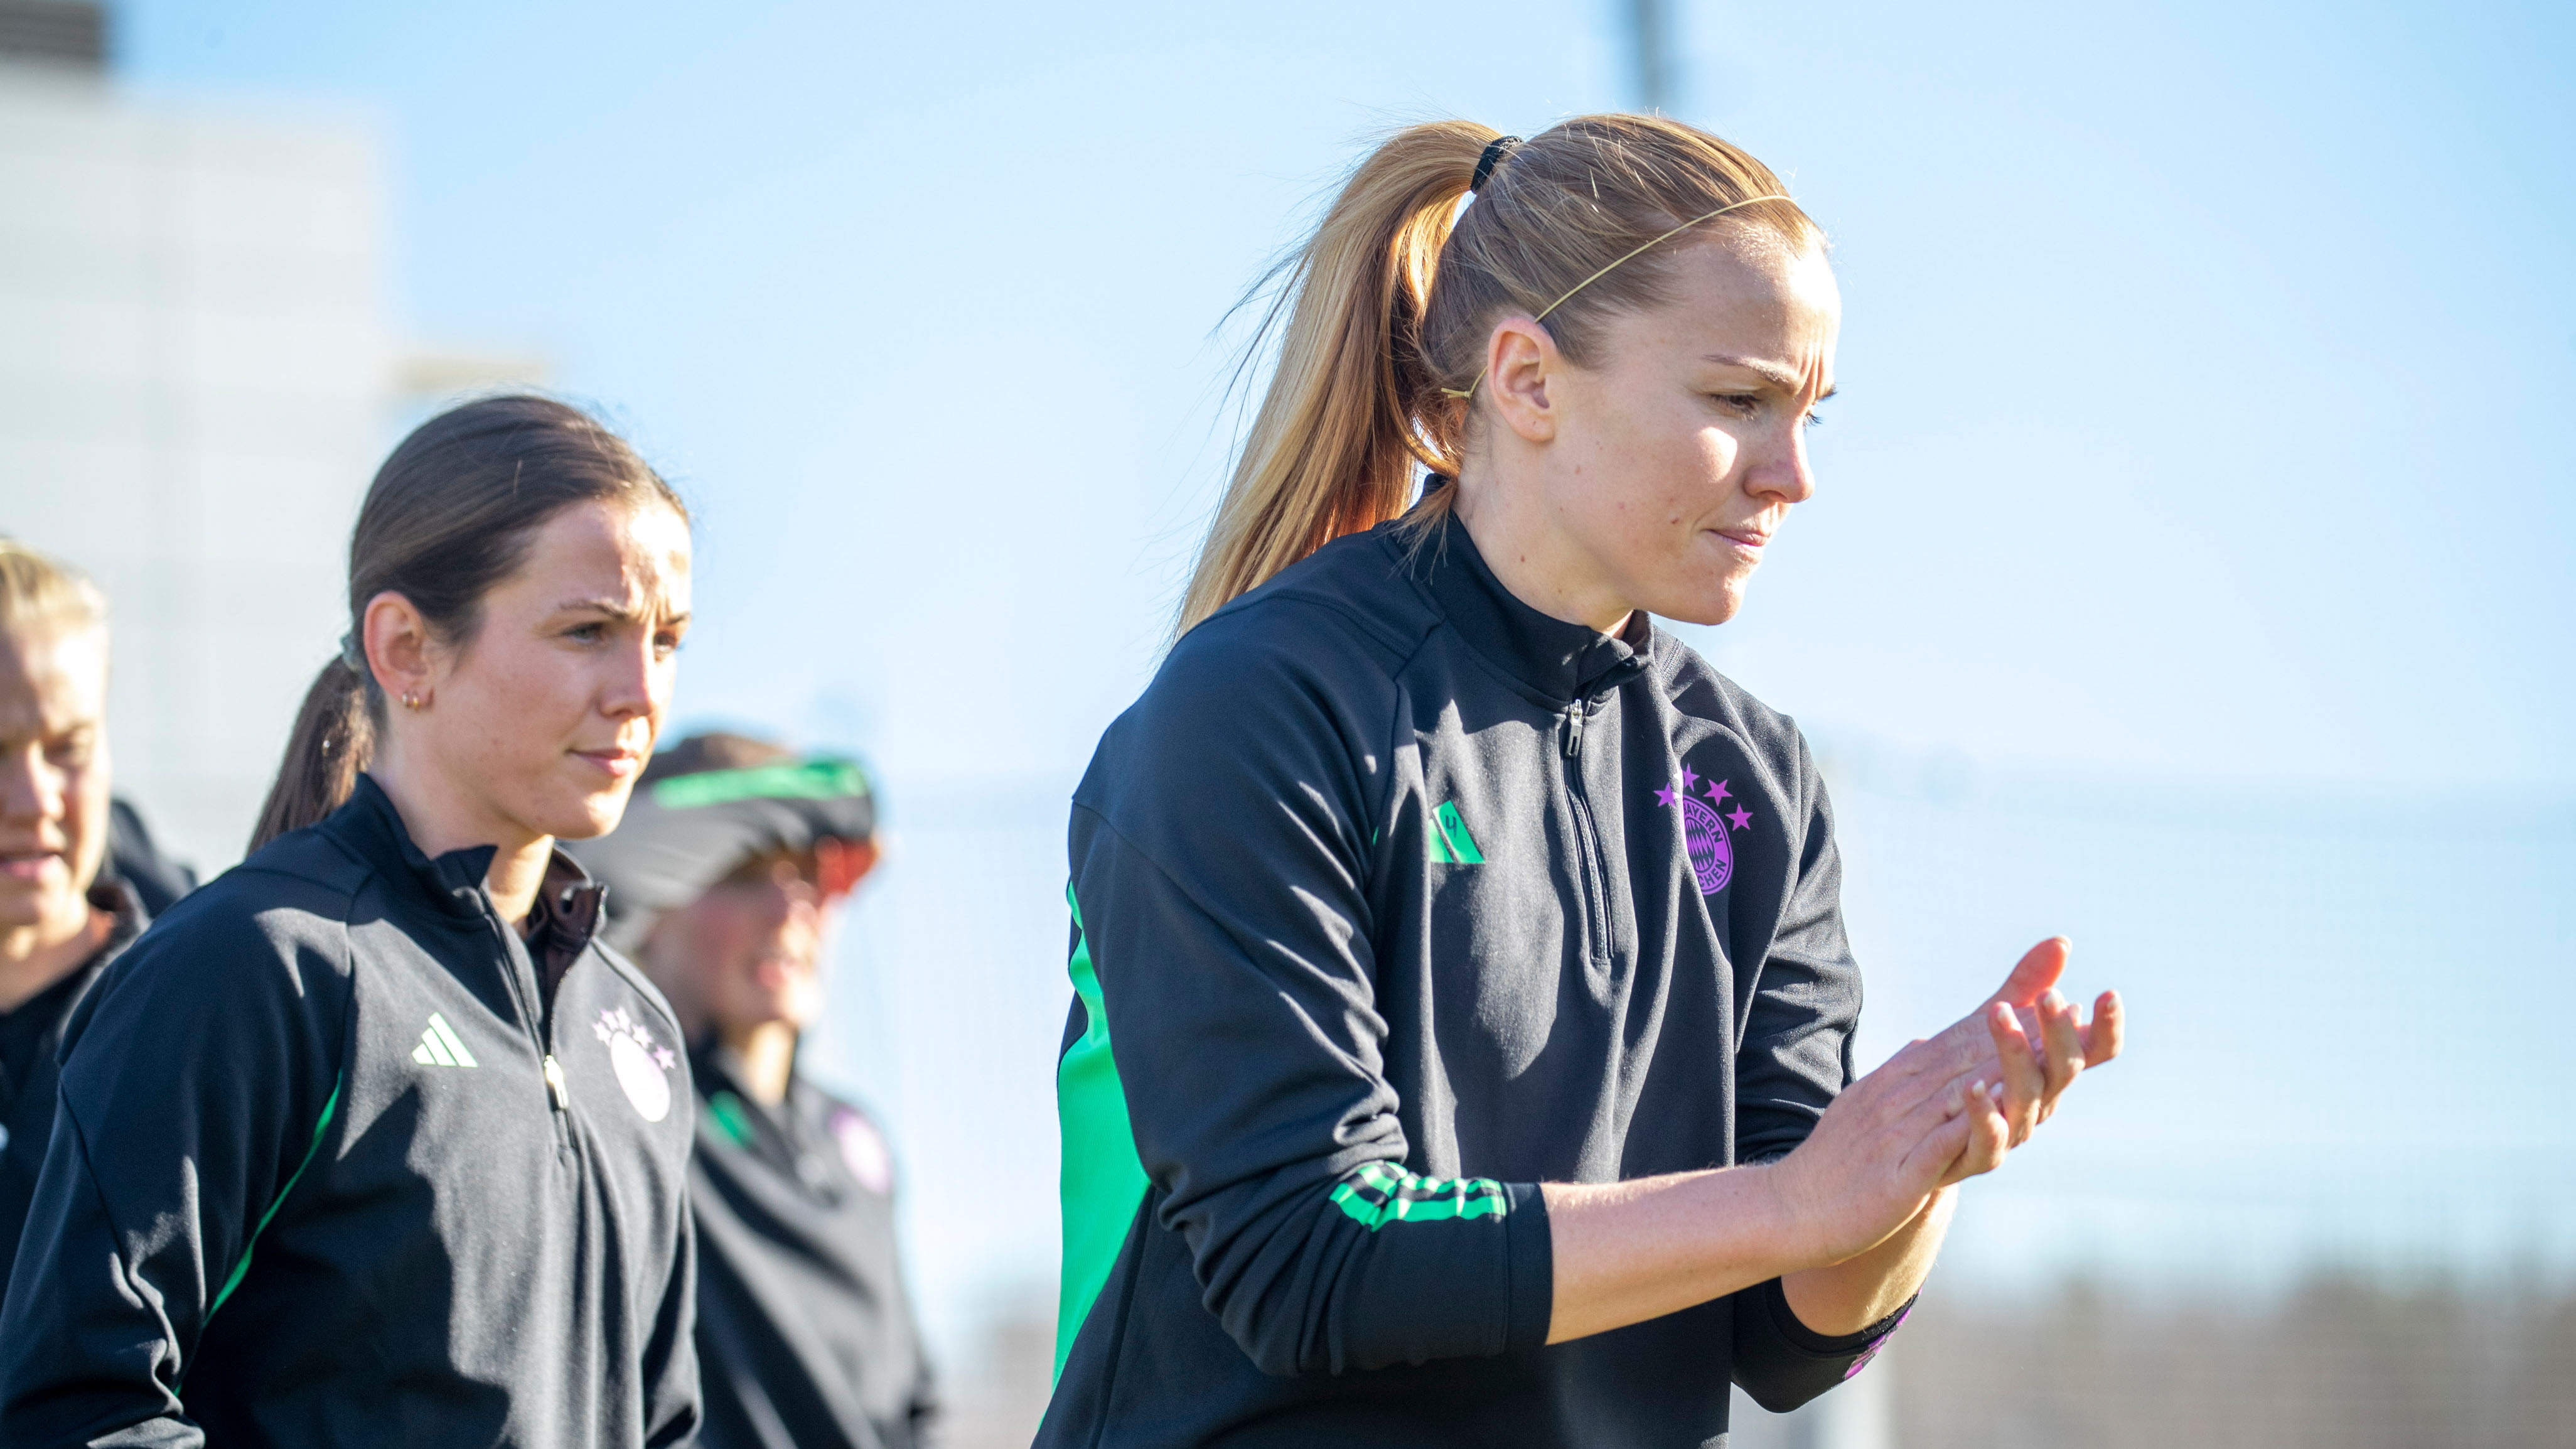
1395,898
806,1337
30,1037
339,1159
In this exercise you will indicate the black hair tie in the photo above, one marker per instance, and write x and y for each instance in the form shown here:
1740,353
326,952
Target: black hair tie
1491,158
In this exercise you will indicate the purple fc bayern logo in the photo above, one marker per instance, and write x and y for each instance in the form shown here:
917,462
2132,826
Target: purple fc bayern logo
1705,828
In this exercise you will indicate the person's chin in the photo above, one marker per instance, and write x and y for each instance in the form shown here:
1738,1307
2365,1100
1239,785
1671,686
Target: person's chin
1707,606
29,897
591,813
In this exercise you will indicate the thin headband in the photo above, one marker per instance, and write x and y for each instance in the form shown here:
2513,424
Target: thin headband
1614,266
1492,157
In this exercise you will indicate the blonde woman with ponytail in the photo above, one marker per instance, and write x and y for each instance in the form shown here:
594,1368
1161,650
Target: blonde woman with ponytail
371,1140
1462,1043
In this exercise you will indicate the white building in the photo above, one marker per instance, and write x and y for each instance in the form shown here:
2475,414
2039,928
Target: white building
194,380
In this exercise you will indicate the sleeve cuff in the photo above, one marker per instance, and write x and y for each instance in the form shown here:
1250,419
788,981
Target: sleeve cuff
1776,1299
1530,1262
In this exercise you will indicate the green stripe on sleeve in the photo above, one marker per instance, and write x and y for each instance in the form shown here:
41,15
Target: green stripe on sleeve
1382,1193
330,1108
1103,1183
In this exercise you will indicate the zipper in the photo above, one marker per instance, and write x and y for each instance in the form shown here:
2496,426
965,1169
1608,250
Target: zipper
1588,849
558,1092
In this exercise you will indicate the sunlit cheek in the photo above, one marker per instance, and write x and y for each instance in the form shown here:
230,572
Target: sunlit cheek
1718,453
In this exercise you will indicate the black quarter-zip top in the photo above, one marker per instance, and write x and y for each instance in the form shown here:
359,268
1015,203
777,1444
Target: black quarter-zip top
30,1035
1395,898
340,1157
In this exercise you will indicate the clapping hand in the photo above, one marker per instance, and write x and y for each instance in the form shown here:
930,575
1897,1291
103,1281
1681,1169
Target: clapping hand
1945,1108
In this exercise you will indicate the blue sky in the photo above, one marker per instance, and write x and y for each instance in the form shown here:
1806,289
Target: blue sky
2204,371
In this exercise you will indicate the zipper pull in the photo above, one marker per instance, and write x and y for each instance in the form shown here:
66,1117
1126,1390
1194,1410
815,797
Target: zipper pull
555,1083
1574,732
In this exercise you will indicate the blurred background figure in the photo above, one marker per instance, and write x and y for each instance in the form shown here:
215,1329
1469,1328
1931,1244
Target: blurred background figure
63,917
722,880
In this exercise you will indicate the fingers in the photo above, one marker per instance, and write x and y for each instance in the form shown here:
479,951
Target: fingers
1932,1161
2102,1038
2062,1051
2024,1081
2038,970
1987,1140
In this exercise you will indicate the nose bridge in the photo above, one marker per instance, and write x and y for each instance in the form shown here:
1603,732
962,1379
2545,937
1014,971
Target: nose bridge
1781,468
30,788
639,681
1802,466
790,900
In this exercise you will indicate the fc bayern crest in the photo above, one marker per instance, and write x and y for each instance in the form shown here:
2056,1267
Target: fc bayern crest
643,1065
1708,831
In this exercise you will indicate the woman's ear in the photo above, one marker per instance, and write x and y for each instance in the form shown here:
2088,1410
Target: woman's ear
398,649
1520,362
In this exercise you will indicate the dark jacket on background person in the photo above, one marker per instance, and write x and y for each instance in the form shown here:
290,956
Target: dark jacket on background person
30,1035
806,1337
159,880
455,1155
1394,898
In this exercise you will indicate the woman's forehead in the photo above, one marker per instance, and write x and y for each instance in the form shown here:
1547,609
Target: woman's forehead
634,556
1771,311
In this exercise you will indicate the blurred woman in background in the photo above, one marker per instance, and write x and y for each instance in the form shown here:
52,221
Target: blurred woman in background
64,911
370,1140
1462,1044
722,881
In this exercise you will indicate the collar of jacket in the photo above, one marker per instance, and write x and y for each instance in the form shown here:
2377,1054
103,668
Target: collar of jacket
454,882
110,893
1560,660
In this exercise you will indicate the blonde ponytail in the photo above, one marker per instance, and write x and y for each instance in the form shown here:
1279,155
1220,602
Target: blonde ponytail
1388,307
1333,446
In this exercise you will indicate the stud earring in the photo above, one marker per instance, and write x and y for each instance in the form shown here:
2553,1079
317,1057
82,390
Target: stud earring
410,700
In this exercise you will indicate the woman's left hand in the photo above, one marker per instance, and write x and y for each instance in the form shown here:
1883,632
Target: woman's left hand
2036,1041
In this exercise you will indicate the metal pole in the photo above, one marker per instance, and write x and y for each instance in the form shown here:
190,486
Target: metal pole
1650,44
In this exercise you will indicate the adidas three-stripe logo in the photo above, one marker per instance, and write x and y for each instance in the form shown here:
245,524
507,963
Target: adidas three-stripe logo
440,1046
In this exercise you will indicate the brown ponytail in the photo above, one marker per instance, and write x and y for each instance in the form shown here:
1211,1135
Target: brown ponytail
1388,306
449,515
334,737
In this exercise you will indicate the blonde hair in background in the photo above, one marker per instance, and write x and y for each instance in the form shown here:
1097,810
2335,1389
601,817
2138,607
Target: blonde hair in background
1383,314
38,592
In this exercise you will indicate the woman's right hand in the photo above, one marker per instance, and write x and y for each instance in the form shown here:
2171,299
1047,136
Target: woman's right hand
1882,1149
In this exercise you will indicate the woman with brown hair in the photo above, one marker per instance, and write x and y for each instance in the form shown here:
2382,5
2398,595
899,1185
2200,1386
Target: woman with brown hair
369,1140
1462,1043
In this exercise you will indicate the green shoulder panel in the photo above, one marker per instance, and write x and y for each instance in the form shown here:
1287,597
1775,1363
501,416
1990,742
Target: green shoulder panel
1103,1183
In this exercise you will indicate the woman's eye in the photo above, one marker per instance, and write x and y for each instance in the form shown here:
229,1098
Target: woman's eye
1742,405
587,633
1812,420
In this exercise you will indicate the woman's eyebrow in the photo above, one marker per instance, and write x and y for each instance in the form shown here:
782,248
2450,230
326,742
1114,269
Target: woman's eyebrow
1784,378
618,611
